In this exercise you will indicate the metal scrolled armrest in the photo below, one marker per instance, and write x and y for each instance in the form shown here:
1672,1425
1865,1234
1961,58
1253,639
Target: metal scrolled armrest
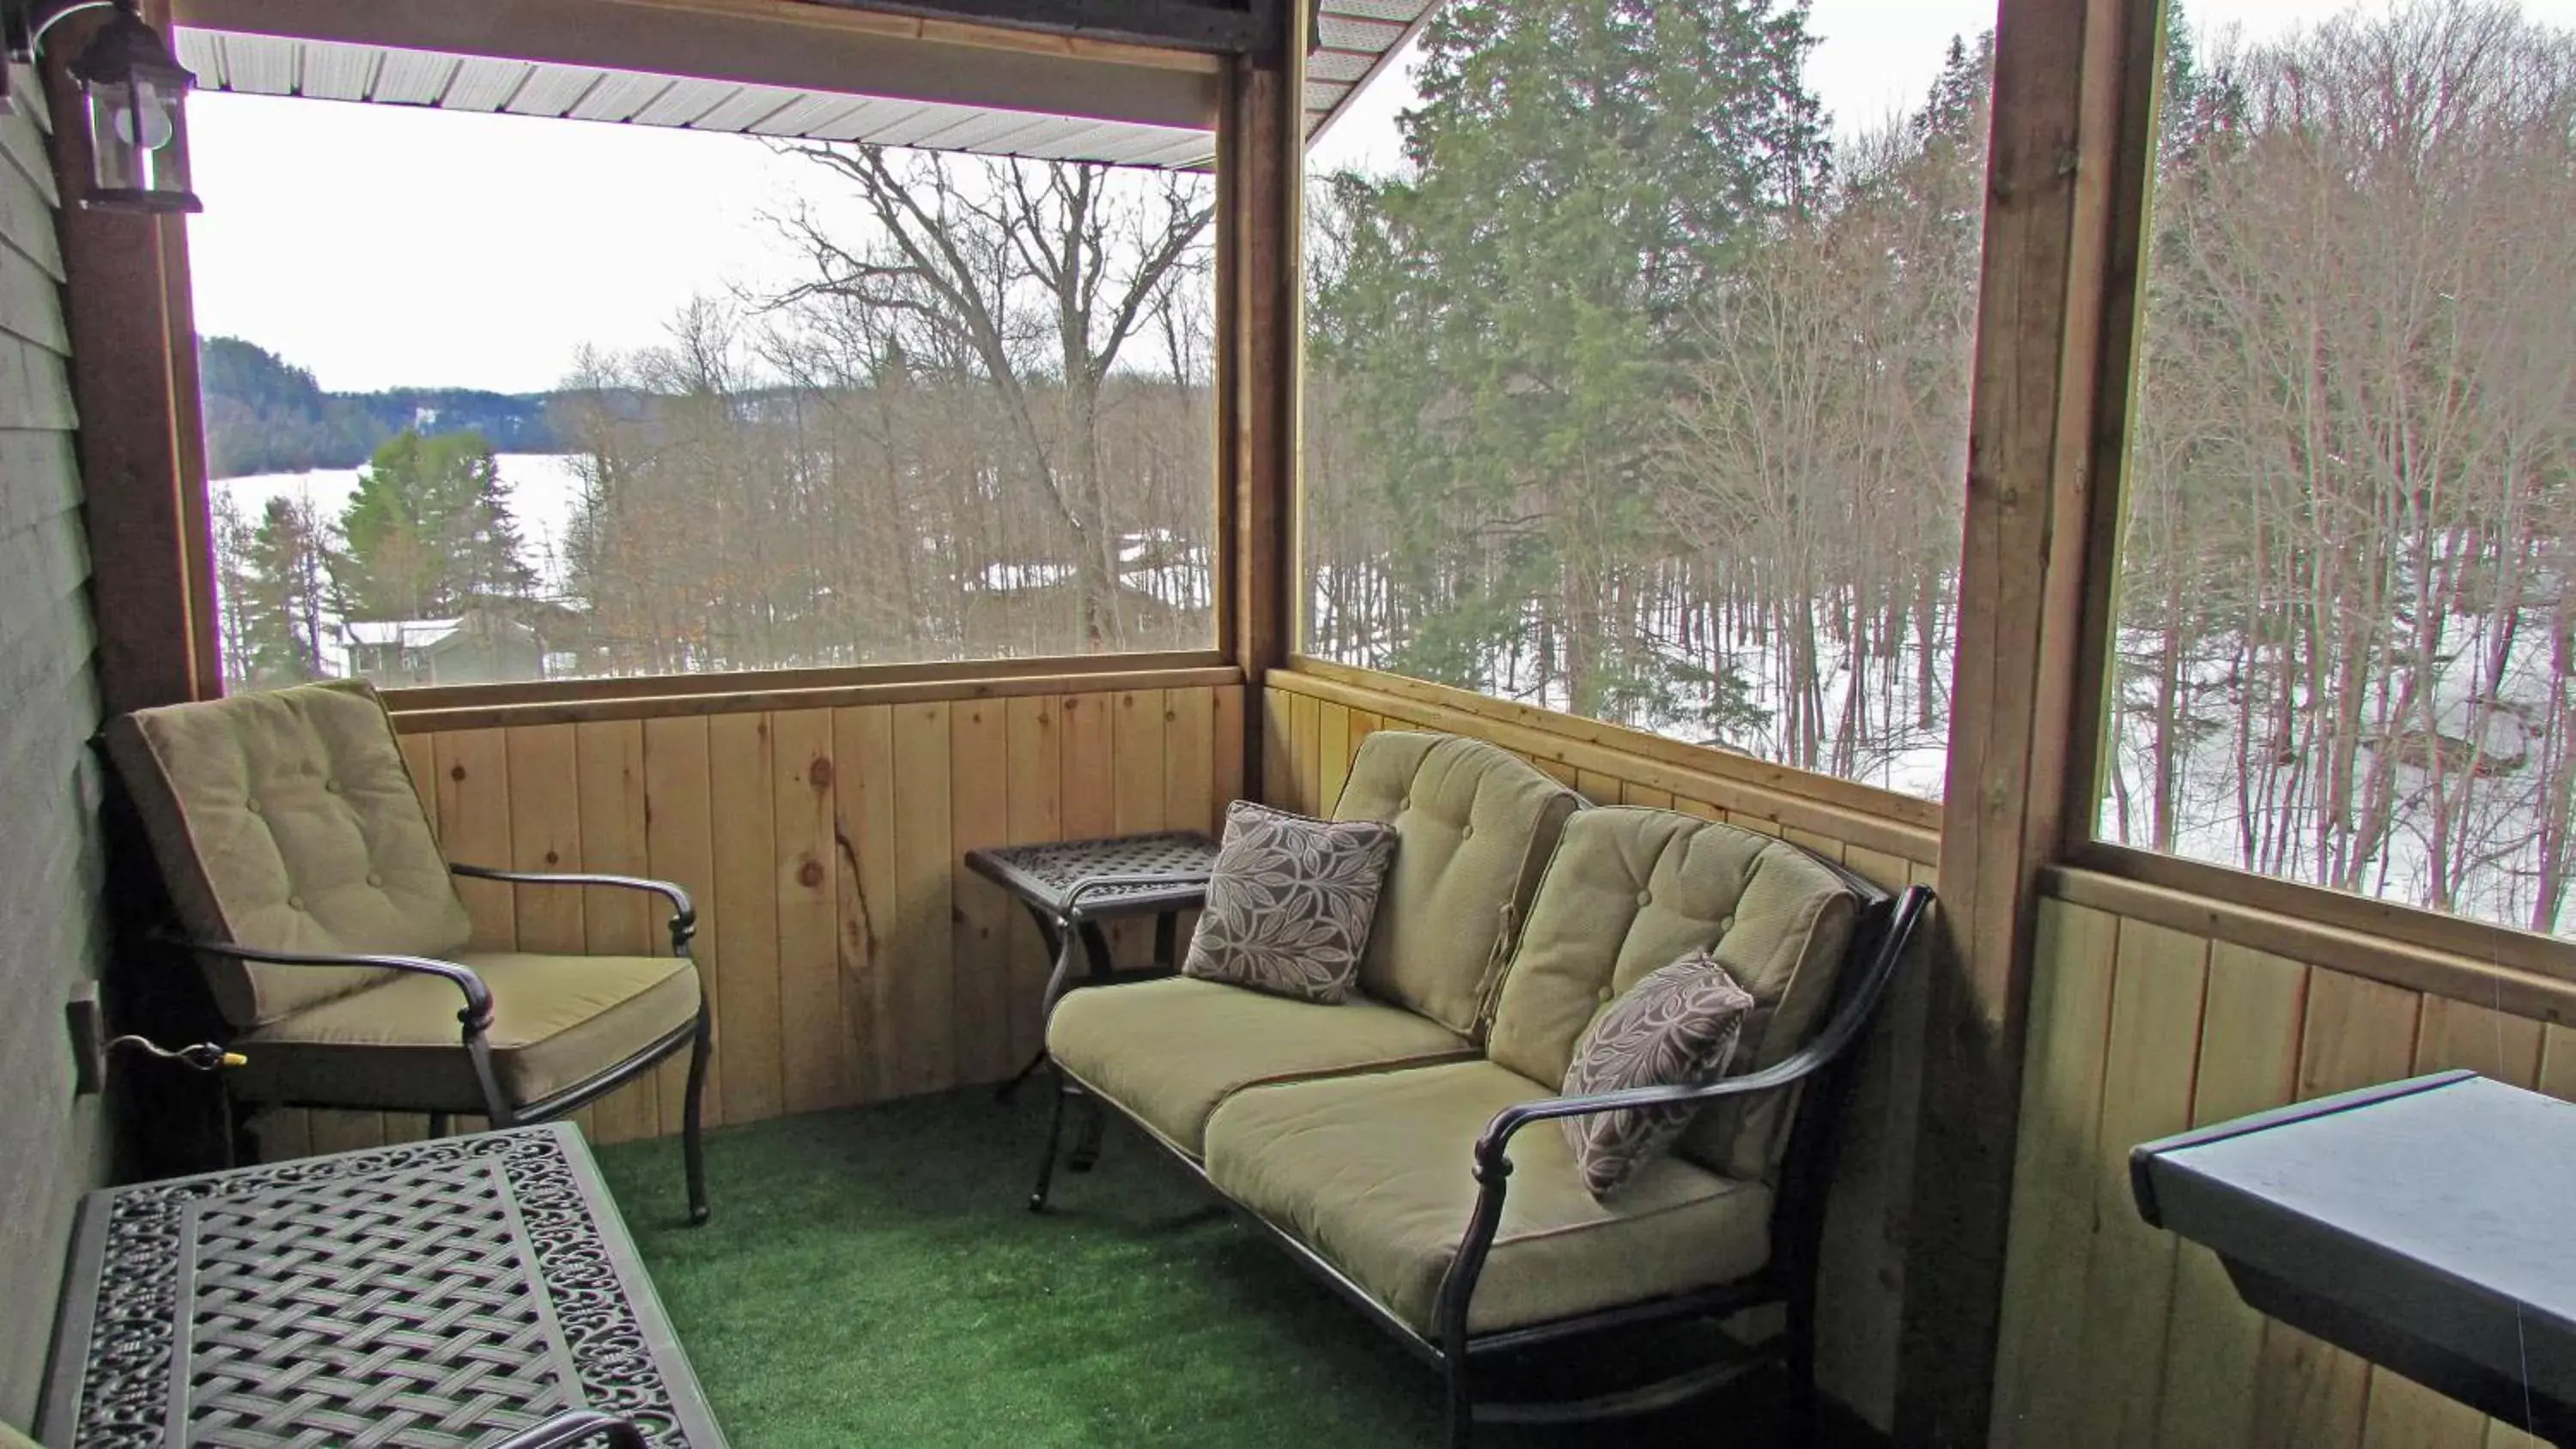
574,1426
476,1016
684,914
1493,1164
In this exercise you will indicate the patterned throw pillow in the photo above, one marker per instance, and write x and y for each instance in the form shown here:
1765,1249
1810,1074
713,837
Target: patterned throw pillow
1289,903
1678,1027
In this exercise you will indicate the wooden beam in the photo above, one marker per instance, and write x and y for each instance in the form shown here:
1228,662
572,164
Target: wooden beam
1261,341
786,43
2072,146
1200,25
142,444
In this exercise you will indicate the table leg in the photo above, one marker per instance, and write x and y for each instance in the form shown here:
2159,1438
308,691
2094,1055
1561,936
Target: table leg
1167,936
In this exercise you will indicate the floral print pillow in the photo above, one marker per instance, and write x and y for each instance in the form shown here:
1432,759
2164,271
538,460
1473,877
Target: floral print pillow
1290,902
1678,1027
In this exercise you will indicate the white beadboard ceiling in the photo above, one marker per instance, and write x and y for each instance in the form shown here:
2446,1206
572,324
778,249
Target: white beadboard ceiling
1354,39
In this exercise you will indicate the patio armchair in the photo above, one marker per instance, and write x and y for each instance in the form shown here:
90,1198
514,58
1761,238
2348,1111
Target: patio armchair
309,885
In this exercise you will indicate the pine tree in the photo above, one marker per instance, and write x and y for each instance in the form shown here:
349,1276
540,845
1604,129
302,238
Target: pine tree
428,530
276,586
1511,318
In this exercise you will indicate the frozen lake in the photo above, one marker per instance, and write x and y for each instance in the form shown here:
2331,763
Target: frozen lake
544,497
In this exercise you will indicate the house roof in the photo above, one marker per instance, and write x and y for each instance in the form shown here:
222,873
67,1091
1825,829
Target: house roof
778,69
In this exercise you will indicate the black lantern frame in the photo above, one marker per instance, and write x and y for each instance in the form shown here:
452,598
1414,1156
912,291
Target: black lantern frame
134,95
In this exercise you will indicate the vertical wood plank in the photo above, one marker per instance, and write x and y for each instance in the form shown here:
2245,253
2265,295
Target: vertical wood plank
1889,873
610,764
1136,735
1824,845
1189,751
813,1059
979,815
2037,1378
2249,1062
1632,793
420,761
1596,787
1226,705
1305,731
1090,766
2356,1033
925,1001
1278,763
2159,976
1036,814
739,767
330,1131
2479,1038
867,918
545,834
1363,724
2558,1062
679,844
474,824
1332,754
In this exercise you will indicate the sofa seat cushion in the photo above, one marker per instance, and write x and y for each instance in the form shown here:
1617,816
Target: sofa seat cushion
556,1021
1167,1052
1374,1174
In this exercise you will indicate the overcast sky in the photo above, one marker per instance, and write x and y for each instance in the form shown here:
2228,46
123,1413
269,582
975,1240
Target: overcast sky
381,246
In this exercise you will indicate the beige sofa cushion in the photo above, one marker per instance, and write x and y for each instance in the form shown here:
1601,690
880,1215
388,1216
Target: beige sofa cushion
556,1021
1475,825
1374,1174
287,820
1628,892
1169,1051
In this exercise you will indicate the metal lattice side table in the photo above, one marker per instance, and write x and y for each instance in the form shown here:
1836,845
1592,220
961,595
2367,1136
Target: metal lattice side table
436,1295
1071,886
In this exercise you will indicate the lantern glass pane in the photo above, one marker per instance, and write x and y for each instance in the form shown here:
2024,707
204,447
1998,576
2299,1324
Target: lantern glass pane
115,160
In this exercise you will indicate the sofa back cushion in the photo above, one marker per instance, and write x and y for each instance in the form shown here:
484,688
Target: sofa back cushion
1474,826
288,820
1629,891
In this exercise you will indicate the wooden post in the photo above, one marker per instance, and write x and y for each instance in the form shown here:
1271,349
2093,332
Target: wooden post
1261,330
2073,148
142,443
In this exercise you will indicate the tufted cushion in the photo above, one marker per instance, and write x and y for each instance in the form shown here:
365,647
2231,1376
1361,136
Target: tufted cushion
1630,890
1676,1028
1475,824
287,820
557,1021
1290,903
1371,1173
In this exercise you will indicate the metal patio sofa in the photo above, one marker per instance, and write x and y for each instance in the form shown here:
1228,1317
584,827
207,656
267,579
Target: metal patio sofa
1386,1142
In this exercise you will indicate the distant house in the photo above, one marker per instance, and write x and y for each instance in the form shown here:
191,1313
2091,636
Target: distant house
481,645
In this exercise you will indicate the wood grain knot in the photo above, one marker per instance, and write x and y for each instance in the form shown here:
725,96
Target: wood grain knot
819,774
810,874
456,772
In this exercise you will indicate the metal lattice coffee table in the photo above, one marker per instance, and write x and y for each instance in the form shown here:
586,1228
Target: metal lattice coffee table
1071,886
436,1295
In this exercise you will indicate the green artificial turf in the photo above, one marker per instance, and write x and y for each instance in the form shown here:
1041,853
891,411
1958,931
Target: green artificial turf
874,1278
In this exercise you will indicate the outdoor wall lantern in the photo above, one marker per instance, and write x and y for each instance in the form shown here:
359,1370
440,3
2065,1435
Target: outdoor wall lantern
136,93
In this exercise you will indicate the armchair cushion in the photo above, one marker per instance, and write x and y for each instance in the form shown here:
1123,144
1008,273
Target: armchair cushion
556,1021
1167,1052
287,820
1374,1174
1630,890
1475,824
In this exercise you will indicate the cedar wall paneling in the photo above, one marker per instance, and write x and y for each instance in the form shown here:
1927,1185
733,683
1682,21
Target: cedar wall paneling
53,1146
850,956
2119,1334
1313,726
